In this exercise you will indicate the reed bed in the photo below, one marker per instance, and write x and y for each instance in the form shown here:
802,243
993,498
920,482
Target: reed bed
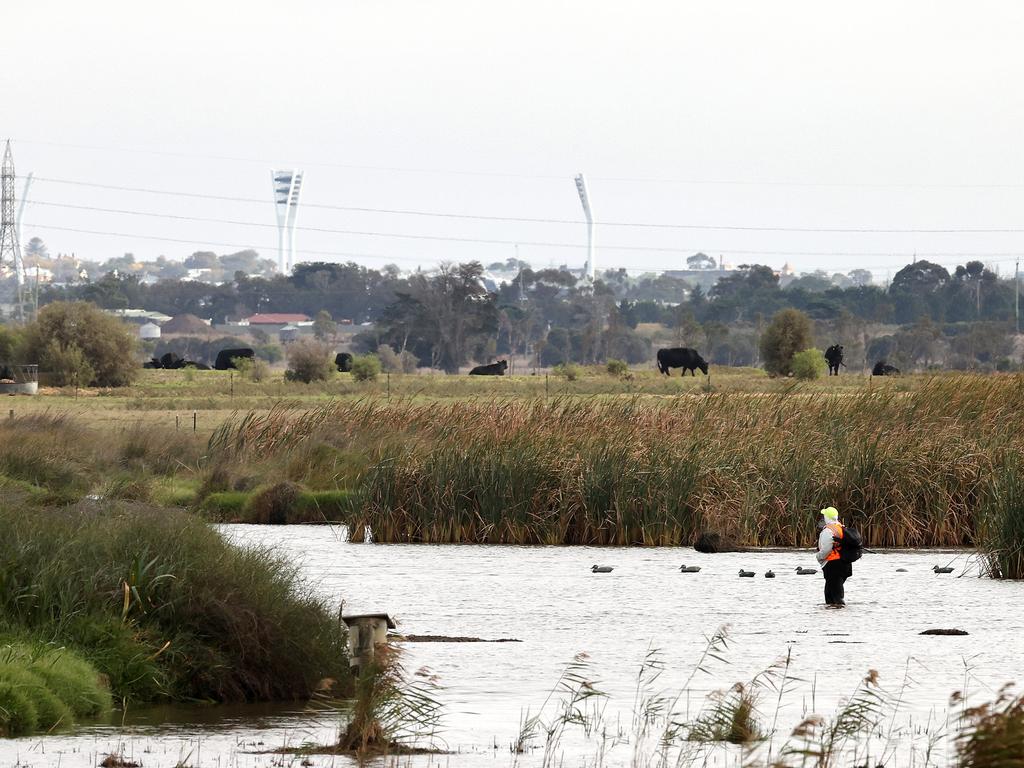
911,469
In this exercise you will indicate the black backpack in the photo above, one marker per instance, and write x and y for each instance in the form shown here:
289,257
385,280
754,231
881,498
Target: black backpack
851,546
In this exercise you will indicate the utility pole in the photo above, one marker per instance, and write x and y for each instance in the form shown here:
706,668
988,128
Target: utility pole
1016,294
10,247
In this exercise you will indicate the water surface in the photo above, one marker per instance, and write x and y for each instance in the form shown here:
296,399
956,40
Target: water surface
548,598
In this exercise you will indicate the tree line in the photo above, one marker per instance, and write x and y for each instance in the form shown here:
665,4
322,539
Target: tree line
447,318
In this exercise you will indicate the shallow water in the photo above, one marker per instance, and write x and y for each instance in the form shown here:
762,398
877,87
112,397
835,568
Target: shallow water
548,598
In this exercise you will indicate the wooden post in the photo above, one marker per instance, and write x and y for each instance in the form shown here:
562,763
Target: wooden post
195,420
389,384
545,386
231,375
365,633
175,422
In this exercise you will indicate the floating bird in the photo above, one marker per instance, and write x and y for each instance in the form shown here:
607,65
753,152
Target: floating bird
947,569
689,569
769,574
746,574
801,571
602,569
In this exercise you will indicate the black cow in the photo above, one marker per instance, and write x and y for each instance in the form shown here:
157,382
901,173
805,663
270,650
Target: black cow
834,358
494,369
343,362
681,357
882,368
226,358
171,361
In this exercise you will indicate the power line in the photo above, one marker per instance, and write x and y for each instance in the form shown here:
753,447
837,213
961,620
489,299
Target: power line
538,176
1017,229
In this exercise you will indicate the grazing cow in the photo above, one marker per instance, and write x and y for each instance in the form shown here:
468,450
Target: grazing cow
834,358
226,358
681,357
494,369
171,361
882,368
343,362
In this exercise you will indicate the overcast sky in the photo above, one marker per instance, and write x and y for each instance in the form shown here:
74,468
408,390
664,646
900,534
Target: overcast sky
872,115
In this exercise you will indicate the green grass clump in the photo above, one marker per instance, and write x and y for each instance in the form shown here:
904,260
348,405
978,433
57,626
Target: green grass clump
163,606
43,687
224,506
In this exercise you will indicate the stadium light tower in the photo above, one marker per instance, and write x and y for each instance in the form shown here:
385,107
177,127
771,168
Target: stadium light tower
287,187
581,187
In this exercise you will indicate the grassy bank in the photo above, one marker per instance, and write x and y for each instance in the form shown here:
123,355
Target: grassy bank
158,603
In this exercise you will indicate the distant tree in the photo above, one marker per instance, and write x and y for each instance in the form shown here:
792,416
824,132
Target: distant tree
789,332
917,290
202,260
35,251
79,337
701,261
324,328
860,277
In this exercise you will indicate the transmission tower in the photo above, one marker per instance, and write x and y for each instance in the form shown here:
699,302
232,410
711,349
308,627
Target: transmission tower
10,248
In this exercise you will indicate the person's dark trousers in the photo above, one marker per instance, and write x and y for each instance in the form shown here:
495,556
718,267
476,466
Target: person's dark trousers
836,573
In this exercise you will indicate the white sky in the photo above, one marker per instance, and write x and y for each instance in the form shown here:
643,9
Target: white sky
876,115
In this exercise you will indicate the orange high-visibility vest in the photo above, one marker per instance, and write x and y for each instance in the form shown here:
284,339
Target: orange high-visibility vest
837,533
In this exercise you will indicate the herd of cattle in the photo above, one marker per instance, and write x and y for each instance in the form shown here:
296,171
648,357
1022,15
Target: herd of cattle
673,357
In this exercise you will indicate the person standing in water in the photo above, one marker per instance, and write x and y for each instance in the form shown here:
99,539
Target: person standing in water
836,568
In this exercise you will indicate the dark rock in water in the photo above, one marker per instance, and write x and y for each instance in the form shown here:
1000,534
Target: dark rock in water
955,632
711,542
901,570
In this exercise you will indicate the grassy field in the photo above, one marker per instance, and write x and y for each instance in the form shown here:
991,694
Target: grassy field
601,460
169,398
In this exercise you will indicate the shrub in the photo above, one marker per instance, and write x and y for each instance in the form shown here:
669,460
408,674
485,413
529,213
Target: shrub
268,351
809,364
365,367
570,371
253,368
309,361
201,619
788,333
79,337
273,505
617,367
389,359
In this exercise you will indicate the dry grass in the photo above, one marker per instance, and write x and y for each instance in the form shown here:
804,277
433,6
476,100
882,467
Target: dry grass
909,469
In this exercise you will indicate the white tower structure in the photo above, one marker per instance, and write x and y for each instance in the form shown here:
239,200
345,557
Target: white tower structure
287,187
581,187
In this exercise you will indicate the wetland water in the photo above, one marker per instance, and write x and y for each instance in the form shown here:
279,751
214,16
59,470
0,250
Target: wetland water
548,598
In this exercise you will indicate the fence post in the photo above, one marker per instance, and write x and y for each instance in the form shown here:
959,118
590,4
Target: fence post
389,384
11,414
176,422
194,420
232,379
545,386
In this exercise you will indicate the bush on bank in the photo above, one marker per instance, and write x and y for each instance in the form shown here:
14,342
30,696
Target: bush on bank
159,603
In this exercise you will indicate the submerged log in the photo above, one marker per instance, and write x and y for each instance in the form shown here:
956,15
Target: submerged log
955,632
